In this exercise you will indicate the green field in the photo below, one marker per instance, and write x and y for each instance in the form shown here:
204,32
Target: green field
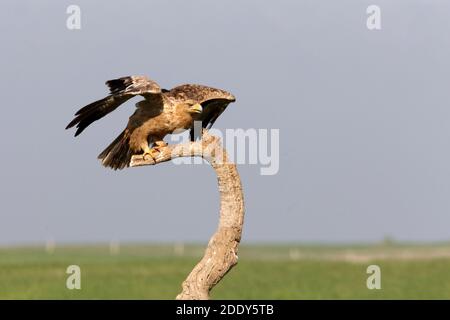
263,272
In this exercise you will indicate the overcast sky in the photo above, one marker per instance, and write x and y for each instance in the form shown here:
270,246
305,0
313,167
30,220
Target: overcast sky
363,117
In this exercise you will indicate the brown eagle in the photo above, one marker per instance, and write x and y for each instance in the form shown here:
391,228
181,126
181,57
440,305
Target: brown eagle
160,113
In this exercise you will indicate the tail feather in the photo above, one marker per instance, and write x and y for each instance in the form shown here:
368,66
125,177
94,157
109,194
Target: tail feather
118,154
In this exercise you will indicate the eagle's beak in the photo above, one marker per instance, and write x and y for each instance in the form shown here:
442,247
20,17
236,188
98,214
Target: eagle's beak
196,108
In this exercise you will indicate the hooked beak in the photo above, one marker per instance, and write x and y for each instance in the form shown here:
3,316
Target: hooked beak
196,108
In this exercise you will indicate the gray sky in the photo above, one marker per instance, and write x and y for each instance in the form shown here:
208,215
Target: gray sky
363,118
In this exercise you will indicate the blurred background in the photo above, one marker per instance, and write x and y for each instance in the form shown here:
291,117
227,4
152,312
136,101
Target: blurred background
364,170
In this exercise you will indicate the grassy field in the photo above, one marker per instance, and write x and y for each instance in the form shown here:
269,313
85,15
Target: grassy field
263,272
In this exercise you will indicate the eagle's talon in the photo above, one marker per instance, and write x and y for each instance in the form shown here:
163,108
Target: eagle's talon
146,156
151,154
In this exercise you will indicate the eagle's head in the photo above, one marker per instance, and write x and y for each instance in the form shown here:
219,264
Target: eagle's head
192,107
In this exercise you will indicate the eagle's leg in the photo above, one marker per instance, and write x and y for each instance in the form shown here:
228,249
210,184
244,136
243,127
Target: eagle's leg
158,145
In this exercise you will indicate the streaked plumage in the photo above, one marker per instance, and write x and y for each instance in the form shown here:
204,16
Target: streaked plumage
160,113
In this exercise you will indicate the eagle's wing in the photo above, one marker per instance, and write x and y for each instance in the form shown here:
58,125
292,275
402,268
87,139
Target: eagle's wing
214,102
121,90
212,109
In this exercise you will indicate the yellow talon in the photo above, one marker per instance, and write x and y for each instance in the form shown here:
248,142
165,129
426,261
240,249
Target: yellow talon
153,153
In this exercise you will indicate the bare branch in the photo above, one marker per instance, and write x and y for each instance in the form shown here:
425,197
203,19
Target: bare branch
221,253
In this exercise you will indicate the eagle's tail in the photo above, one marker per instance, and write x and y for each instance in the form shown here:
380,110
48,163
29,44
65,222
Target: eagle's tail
118,154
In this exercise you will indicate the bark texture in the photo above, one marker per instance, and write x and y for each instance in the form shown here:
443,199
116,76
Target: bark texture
221,253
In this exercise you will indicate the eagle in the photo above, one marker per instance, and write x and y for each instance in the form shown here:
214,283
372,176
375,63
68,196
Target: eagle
160,113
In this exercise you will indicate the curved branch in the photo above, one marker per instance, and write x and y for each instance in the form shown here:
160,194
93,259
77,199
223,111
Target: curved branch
221,253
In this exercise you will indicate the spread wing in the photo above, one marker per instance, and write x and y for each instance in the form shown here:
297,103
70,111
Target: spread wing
214,102
121,90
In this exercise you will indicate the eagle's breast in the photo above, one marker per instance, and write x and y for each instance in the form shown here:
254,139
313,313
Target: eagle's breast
178,119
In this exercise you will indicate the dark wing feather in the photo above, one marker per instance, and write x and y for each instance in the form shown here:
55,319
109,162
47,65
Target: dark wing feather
212,109
121,89
95,111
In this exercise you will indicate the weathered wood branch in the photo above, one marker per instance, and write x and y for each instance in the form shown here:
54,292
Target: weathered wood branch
221,254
